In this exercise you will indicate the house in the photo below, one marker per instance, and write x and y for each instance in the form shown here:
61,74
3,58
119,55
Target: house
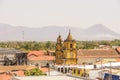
39,58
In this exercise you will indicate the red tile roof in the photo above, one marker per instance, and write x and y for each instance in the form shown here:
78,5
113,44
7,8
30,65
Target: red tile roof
19,73
39,55
6,72
118,49
45,69
97,53
42,58
5,77
8,76
36,53
11,68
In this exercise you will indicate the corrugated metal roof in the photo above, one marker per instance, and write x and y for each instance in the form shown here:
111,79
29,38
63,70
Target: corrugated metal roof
10,51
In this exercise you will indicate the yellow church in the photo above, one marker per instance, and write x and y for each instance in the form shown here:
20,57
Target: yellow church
66,52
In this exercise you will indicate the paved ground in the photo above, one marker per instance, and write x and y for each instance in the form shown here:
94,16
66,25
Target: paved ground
46,78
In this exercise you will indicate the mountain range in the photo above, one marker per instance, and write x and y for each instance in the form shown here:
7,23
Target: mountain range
50,33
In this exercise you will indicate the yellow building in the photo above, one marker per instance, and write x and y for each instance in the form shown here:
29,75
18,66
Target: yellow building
66,52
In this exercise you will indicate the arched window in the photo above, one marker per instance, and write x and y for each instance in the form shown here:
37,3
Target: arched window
71,46
74,70
78,71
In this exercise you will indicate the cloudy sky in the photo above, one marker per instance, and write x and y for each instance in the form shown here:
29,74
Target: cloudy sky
76,13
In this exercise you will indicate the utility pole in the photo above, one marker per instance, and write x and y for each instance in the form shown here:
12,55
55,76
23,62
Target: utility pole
48,66
101,66
84,63
110,71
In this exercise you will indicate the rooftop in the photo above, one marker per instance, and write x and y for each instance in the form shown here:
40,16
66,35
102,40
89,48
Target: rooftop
47,78
42,58
10,51
36,53
39,55
97,53
13,68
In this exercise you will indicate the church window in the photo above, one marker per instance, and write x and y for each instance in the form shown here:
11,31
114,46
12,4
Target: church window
71,45
74,70
78,71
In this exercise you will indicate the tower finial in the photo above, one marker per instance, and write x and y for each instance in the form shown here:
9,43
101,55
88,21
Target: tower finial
69,38
59,39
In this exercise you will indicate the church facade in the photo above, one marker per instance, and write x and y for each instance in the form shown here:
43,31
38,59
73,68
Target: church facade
66,52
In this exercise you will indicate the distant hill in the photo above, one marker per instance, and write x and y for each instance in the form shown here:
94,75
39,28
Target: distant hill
50,33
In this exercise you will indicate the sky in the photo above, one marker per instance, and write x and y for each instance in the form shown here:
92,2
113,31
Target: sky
75,13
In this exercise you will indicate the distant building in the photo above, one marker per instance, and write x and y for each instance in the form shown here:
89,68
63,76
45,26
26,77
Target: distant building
66,52
114,47
12,57
104,47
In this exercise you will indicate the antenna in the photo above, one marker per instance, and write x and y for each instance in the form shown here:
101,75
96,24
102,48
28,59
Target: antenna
23,35
69,31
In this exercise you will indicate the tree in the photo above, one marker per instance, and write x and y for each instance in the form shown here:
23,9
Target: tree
48,45
34,72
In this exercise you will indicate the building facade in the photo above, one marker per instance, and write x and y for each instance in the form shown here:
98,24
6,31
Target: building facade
12,57
66,52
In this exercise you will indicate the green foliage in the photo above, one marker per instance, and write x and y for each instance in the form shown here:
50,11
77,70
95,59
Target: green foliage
87,44
95,44
34,72
49,45
29,45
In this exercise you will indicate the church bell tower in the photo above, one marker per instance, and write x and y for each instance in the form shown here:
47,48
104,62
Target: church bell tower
66,52
69,50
